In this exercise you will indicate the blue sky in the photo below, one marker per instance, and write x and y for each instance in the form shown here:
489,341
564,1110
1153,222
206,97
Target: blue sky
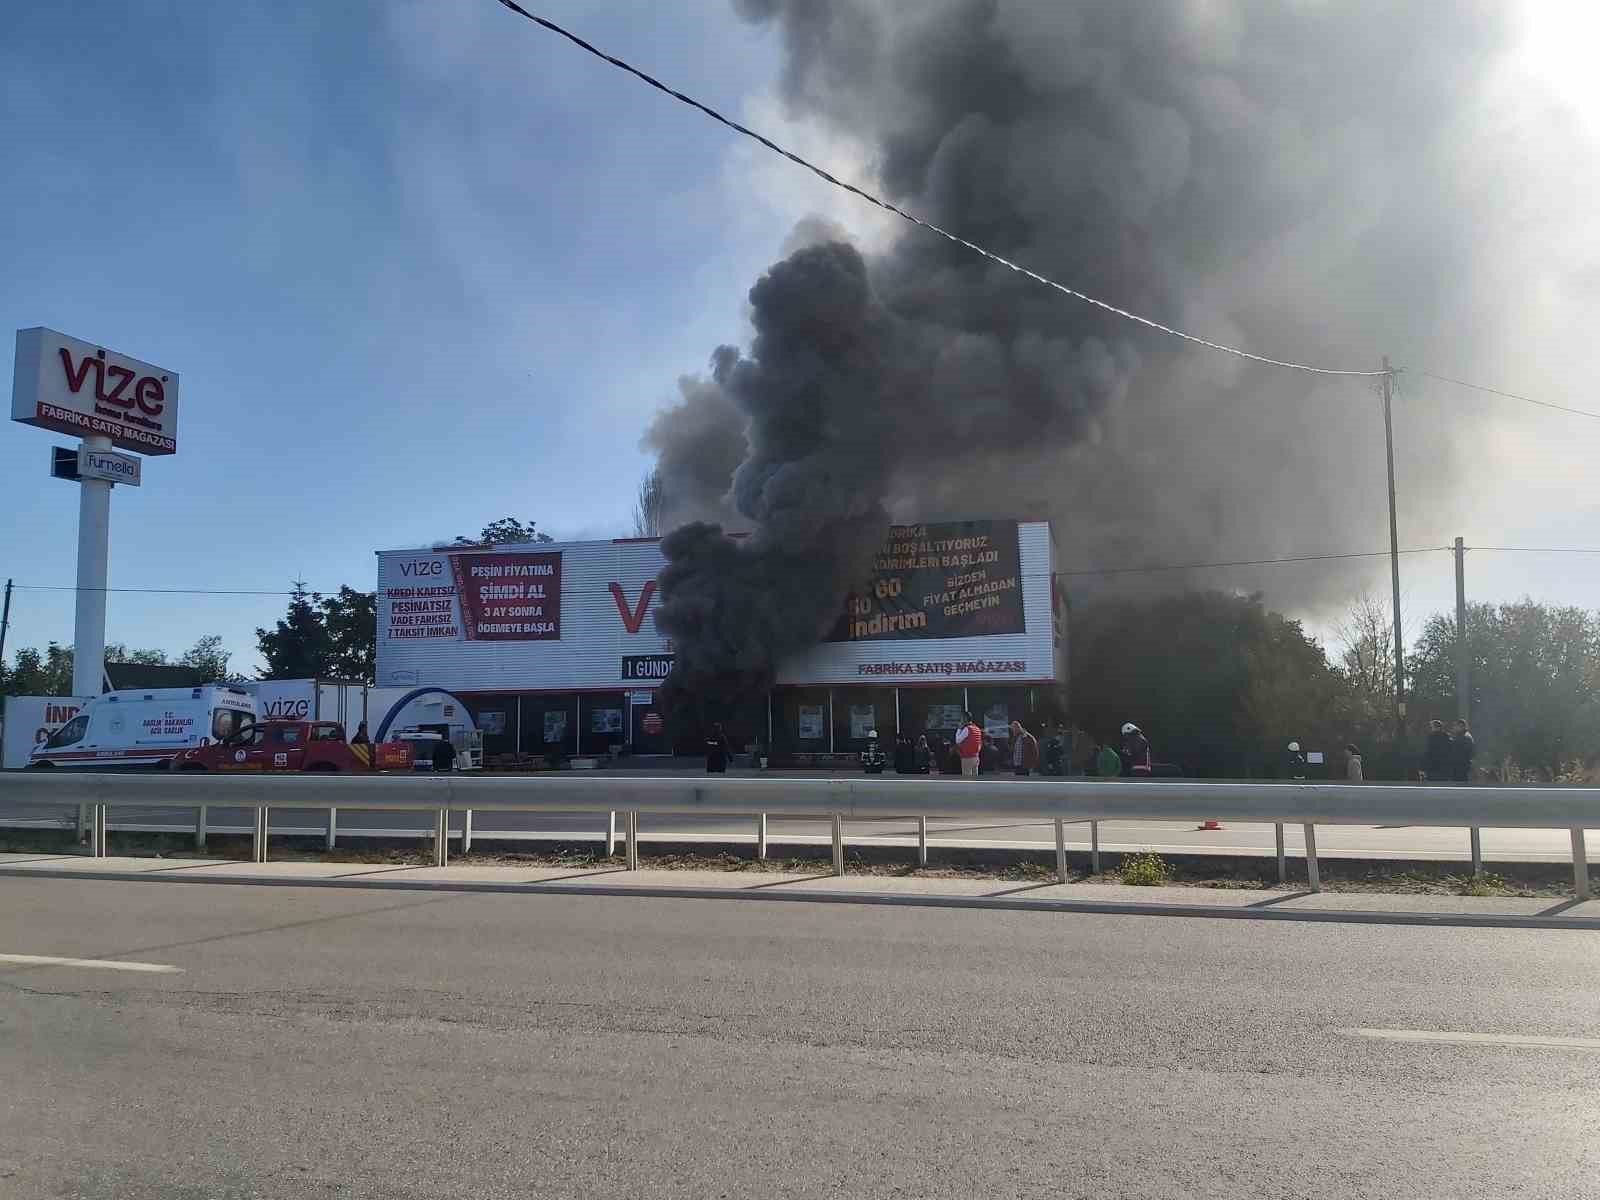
421,265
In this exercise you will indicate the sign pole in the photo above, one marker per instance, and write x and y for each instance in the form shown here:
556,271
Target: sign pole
5,624
89,626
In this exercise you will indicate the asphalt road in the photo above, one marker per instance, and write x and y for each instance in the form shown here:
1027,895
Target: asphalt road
305,1043
1363,841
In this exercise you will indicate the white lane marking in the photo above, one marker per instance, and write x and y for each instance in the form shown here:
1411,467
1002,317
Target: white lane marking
1475,1039
98,964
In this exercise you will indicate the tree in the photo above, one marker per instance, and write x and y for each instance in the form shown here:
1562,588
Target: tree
649,507
1535,672
1366,662
351,621
209,658
504,532
118,652
35,674
299,647
1218,682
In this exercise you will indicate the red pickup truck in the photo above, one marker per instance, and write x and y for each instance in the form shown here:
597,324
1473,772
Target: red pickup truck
294,746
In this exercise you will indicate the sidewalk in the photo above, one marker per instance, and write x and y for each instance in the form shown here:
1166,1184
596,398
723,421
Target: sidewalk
1277,904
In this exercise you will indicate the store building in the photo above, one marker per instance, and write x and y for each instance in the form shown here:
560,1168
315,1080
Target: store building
554,648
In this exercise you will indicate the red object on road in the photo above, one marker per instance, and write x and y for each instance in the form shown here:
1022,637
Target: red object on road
1210,825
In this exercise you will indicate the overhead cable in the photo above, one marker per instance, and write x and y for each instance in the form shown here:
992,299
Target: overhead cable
622,65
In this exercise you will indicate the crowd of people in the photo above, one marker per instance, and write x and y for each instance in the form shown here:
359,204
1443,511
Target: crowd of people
972,752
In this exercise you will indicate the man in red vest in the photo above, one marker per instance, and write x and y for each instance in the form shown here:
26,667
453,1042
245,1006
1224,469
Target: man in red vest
969,743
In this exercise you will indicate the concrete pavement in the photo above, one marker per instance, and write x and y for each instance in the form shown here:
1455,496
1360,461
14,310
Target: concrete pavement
315,1043
1281,904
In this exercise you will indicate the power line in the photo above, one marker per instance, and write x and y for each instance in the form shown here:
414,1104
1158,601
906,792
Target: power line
1248,562
1478,387
1532,550
622,65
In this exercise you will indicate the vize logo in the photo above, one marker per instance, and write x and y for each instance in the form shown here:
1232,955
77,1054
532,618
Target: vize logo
422,566
149,393
632,618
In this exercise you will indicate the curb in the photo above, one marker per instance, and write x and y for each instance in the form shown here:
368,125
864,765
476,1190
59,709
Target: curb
800,896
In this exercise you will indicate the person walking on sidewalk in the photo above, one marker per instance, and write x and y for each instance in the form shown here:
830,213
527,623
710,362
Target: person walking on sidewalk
969,745
1354,768
718,751
1024,751
1462,748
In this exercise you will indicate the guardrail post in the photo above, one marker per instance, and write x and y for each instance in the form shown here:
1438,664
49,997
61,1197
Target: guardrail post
258,842
922,841
1580,866
441,837
1283,865
1061,851
761,837
1477,852
466,831
333,829
632,831
200,829
97,831
838,843
1094,846
1313,876
611,833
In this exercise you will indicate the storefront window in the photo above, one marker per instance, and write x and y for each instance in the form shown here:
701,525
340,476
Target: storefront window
859,711
800,721
604,721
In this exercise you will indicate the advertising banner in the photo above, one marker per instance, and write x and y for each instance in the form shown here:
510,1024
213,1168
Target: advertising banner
86,390
29,721
512,597
637,668
952,580
555,726
863,720
811,726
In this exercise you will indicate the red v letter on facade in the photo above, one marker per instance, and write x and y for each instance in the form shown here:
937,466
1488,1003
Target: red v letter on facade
632,618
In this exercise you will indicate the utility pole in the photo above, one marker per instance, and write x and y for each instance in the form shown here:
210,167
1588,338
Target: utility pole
1394,561
1463,675
5,624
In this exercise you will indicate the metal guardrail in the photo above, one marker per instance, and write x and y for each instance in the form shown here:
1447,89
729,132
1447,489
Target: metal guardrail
1062,801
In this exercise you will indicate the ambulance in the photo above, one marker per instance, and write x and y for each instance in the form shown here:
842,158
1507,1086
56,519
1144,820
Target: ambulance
136,728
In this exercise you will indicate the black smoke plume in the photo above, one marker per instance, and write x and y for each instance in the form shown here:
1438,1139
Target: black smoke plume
1283,177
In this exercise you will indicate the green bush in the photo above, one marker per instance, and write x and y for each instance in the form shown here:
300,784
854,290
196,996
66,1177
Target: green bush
1144,870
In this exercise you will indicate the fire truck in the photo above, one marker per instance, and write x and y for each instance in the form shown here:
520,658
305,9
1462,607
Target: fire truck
294,746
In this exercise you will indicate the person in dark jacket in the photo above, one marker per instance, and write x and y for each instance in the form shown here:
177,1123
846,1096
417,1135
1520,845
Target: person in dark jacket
1462,748
1135,751
444,755
718,751
361,738
1436,756
922,759
1024,750
905,755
